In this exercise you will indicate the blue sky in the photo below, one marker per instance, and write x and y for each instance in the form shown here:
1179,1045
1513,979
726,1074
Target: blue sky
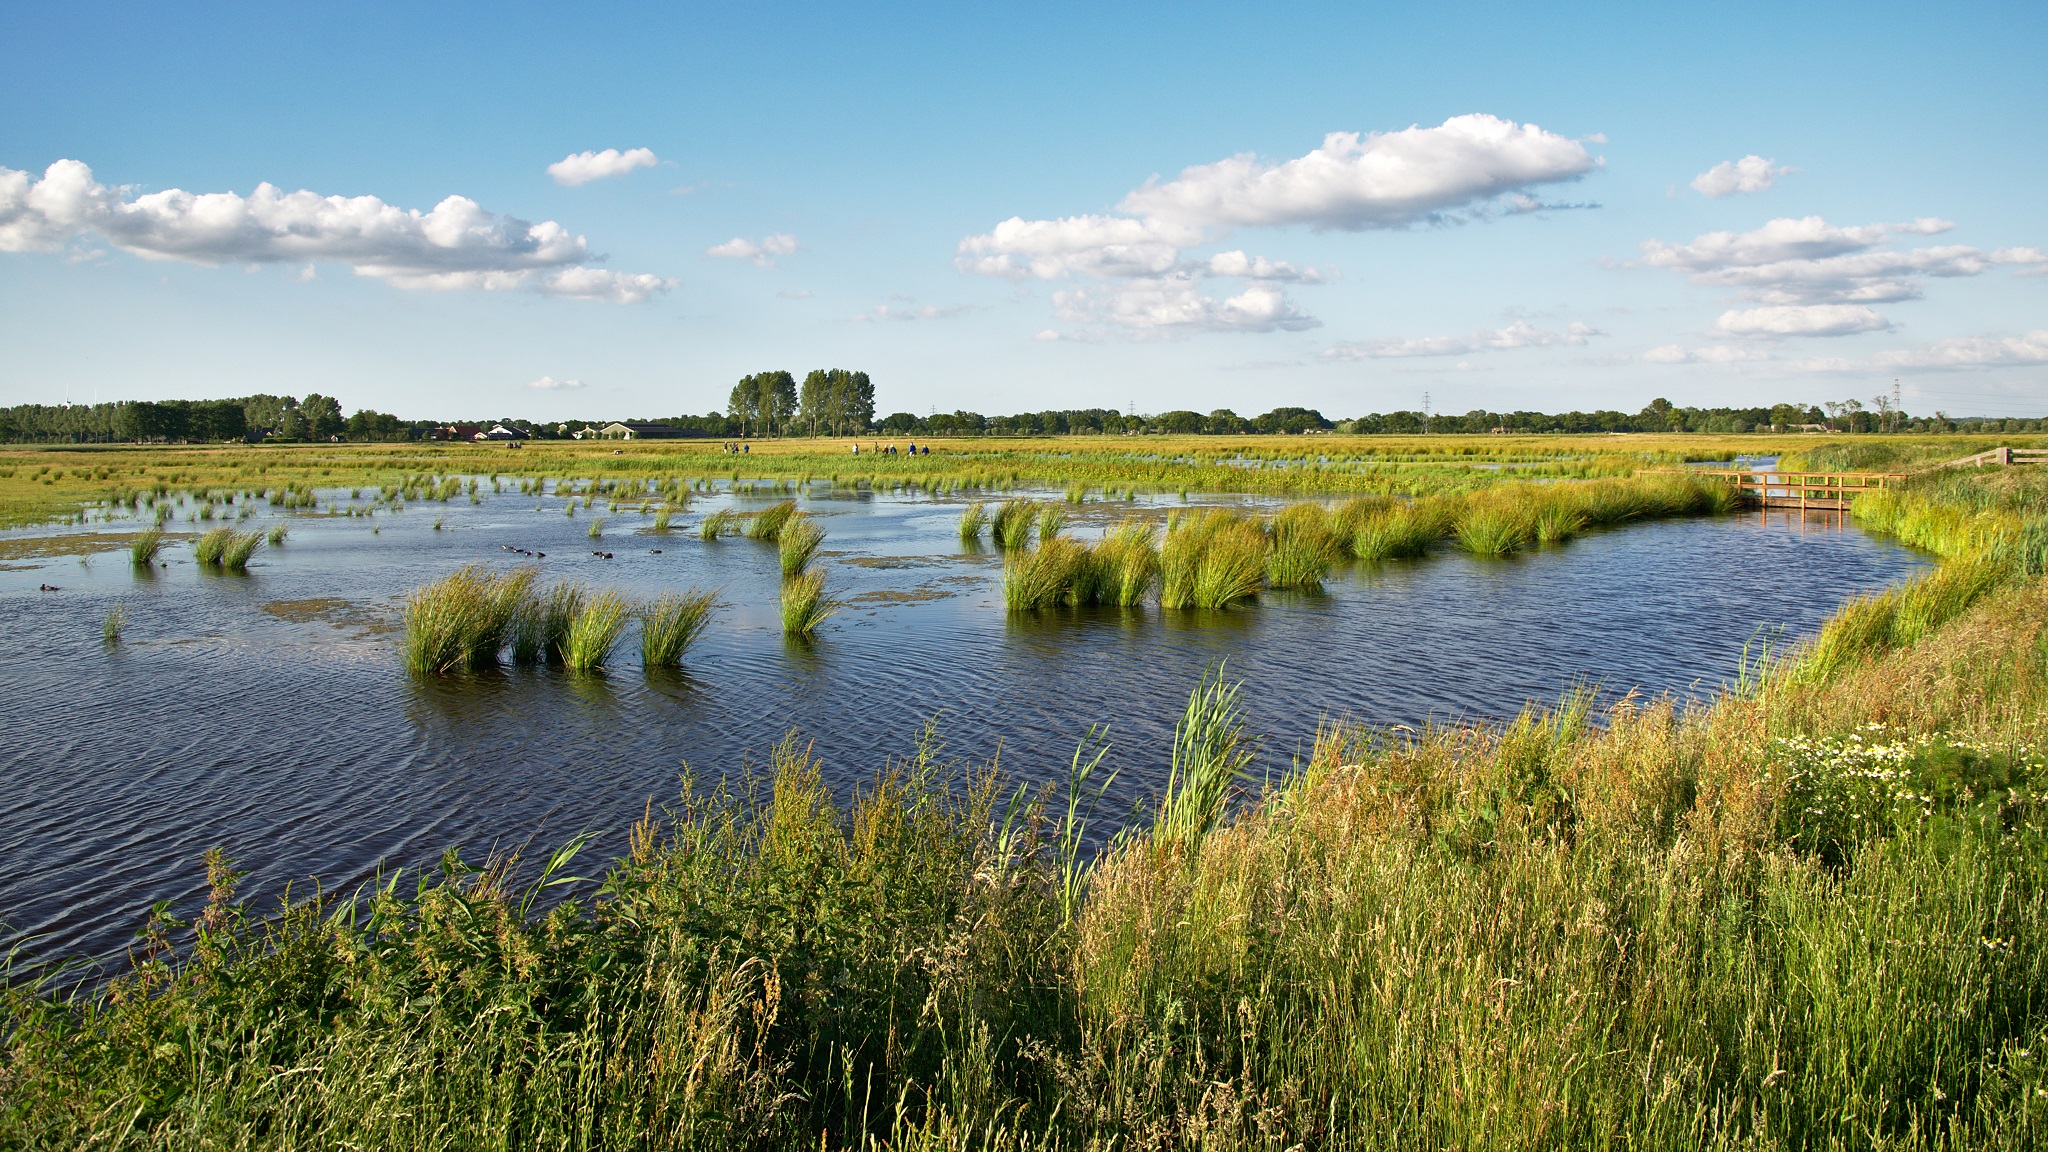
1512,221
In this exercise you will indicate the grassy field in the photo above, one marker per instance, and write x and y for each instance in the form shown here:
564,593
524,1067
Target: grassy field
1812,913
44,483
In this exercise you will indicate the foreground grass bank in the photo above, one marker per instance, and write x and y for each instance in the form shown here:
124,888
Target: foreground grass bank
1813,914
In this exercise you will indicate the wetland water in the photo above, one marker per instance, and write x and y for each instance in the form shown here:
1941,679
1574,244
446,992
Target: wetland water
268,713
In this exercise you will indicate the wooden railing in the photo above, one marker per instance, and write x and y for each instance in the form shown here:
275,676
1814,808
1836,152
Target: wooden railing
1823,490
2003,456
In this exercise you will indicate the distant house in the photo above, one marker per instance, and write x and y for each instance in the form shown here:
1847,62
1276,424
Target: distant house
634,430
503,432
455,432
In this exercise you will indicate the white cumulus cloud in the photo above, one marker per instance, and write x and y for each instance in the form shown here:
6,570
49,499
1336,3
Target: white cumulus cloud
1752,173
549,384
1709,354
1374,180
1967,353
761,253
1468,167
1519,334
1790,265
1173,306
1801,320
457,244
583,167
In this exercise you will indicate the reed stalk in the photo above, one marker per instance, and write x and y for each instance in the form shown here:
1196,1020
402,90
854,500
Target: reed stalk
804,605
798,543
768,524
670,624
595,631
1011,527
142,551
973,521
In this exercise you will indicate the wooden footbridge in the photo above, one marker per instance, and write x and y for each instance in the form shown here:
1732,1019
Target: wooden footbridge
1816,491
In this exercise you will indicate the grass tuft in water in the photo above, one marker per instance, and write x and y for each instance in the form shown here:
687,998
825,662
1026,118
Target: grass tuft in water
973,521
227,549
1052,519
1304,545
724,522
1127,559
798,543
461,621
277,535
110,625
804,604
768,524
1058,571
597,528
670,624
1011,528
142,553
1211,559
595,631
540,632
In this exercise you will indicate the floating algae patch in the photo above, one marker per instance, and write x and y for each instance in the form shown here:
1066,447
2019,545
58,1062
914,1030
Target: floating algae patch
345,614
884,561
919,595
70,544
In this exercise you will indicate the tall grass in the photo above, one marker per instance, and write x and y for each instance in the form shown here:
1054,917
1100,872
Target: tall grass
798,543
1011,527
724,522
540,630
662,515
111,624
1052,520
461,621
595,631
227,549
1058,571
1127,559
147,543
973,521
596,527
767,524
1211,559
1400,531
1304,545
804,604
670,624
277,535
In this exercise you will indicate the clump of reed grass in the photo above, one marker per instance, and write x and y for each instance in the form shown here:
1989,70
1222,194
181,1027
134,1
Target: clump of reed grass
798,544
661,518
1127,559
227,549
804,604
1011,527
460,622
595,630
973,521
110,624
1051,520
1210,559
1399,531
768,524
724,522
1058,571
540,632
277,535
1304,546
670,624
1497,526
142,551
597,528
1077,493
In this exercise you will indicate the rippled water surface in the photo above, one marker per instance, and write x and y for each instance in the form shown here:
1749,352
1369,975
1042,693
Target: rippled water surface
267,713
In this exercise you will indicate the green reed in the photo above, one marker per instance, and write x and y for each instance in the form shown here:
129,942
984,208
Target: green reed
461,621
540,631
662,516
724,522
111,624
1011,526
1304,544
805,605
1052,519
227,549
670,624
1058,571
595,630
597,528
798,543
1211,559
143,549
1127,558
277,534
768,523
973,521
